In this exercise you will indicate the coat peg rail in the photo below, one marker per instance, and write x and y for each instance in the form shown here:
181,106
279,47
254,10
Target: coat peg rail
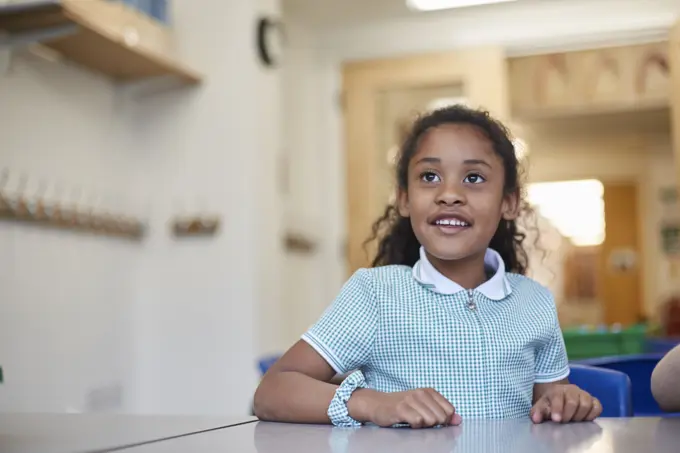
54,215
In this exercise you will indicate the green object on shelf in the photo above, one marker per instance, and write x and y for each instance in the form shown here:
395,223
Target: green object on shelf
633,340
587,343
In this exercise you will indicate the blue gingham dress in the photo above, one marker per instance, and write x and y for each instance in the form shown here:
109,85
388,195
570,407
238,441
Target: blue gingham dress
405,328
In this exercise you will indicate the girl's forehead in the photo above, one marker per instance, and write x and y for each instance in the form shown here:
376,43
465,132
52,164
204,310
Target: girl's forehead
456,141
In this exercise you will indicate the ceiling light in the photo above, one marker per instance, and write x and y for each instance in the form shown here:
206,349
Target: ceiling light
434,5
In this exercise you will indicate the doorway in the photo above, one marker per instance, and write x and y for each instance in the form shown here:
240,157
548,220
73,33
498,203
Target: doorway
587,250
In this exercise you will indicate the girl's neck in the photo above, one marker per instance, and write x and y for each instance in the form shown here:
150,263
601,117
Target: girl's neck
467,272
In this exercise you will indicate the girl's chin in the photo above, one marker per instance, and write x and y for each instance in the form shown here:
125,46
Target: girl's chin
452,253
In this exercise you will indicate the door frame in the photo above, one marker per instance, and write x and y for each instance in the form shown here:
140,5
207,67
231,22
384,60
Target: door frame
481,72
674,101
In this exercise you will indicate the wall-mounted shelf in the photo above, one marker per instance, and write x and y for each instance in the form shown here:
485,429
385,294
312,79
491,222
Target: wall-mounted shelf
108,37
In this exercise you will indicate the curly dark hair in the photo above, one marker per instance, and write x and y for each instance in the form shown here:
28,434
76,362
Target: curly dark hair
397,241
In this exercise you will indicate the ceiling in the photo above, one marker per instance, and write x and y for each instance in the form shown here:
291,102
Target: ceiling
338,12
333,11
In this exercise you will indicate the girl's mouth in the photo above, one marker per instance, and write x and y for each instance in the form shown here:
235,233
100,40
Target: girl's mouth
451,222
450,225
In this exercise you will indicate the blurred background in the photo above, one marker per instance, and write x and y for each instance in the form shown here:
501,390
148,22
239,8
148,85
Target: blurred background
185,185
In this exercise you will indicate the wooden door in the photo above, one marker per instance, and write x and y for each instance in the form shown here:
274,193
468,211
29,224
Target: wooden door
479,74
620,267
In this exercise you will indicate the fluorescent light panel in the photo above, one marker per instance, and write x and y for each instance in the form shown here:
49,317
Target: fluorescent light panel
434,5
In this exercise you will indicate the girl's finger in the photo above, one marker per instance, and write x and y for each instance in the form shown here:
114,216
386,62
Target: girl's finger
584,407
556,403
412,417
541,411
435,407
571,406
428,416
445,405
595,411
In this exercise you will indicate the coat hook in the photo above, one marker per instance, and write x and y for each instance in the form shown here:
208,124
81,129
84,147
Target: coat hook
95,220
36,206
70,216
84,214
18,203
4,177
53,209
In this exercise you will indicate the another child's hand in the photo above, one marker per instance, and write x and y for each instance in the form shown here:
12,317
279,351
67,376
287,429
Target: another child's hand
564,404
420,408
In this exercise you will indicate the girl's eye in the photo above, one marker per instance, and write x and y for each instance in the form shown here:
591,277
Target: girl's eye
474,178
429,176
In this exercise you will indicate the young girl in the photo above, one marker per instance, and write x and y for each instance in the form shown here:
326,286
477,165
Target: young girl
444,327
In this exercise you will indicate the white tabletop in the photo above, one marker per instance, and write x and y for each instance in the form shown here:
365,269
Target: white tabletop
60,433
648,435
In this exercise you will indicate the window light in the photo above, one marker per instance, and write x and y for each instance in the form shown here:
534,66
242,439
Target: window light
575,208
434,5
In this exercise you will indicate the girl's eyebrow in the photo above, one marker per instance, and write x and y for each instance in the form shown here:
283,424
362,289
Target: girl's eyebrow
431,160
436,160
477,162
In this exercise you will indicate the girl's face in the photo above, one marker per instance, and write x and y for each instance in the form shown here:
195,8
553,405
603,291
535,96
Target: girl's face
455,197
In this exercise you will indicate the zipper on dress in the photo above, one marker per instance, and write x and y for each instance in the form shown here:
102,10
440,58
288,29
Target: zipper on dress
471,301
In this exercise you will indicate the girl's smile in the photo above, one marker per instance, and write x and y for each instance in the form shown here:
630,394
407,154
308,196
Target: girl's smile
451,222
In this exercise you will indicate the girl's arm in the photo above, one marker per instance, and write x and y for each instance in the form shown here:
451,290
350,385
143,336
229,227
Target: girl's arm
554,397
299,388
665,386
296,388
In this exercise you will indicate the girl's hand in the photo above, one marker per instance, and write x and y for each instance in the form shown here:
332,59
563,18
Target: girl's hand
420,408
566,403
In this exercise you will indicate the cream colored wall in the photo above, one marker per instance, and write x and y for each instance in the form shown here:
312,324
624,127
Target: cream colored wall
658,174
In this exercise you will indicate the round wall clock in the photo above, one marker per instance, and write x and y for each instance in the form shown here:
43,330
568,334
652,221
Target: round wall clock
270,41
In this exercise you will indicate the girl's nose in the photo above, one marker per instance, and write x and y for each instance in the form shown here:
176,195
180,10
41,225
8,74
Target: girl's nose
451,195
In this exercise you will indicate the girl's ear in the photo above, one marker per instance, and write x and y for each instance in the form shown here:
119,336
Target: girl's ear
402,203
510,206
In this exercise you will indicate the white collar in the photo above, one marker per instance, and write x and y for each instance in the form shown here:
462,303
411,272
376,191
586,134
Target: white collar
495,288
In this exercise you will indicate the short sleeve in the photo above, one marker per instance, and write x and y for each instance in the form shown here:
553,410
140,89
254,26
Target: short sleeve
345,334
551,358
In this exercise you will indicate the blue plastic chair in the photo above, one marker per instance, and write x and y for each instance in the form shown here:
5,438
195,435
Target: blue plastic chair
265,363
639,368
661,345
612,388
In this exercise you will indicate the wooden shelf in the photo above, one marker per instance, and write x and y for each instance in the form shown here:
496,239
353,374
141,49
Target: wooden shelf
107,37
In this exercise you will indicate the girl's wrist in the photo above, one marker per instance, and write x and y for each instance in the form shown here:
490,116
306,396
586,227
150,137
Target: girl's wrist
360,404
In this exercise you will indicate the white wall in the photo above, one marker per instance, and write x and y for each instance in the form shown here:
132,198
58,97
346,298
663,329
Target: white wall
315,202
176,324
313,125
65,300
